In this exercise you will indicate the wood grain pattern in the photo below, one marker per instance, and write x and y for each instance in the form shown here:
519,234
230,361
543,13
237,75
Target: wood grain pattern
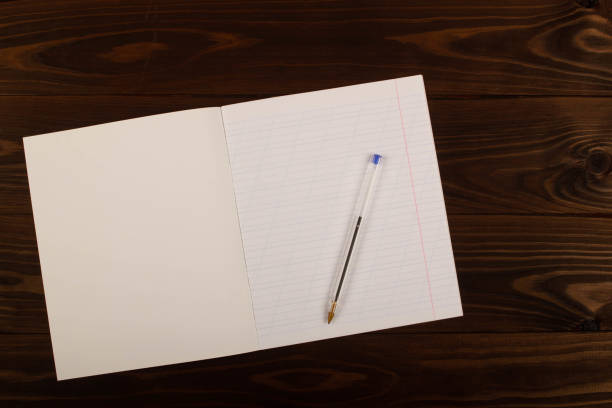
516,274
520,47
556,160
525,156
390,370
519,95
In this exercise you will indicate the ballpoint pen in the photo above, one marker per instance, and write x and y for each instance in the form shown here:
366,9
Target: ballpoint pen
355,231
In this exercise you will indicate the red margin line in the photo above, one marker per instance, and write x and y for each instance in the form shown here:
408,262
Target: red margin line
416,206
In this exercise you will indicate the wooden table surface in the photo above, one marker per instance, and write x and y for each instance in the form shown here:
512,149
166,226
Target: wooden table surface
520,96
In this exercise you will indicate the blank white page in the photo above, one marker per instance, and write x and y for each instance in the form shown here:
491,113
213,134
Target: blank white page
297,164
139,243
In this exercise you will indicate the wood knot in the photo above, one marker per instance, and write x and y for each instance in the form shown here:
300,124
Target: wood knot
310,381
598,162
588,3
133,52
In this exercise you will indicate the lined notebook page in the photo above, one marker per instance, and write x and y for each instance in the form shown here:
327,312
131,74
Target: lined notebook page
297,164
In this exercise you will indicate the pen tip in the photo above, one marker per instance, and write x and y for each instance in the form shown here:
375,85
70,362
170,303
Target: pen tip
330,315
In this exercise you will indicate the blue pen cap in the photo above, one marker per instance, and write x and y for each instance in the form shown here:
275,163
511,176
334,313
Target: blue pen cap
376,158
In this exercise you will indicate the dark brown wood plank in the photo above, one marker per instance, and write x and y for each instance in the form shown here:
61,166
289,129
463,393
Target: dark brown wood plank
529,156
557,159
472,47
516,273
390,370
531,273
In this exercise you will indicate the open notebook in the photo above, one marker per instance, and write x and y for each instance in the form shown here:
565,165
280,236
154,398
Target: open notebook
217,231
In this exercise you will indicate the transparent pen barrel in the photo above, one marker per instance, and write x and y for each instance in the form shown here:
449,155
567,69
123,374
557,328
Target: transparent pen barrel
350,250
